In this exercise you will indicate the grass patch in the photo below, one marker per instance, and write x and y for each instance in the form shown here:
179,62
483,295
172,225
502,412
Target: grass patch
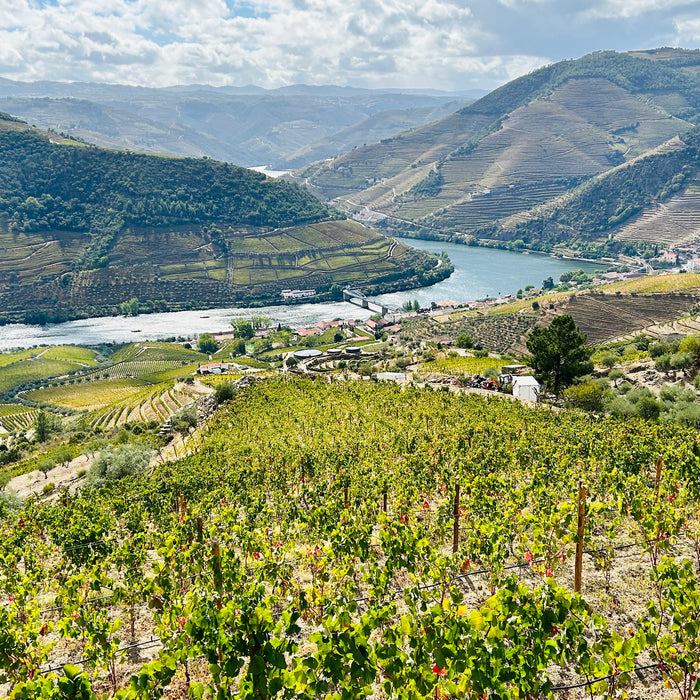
463,365
12,376
71,353
87,396
8,358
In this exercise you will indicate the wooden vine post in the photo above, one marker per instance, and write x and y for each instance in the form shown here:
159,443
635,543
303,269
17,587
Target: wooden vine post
657,479
346,502
216,563
455,513
384,500
579,536
200,529
182,504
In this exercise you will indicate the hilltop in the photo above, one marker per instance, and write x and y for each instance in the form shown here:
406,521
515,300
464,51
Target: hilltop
87,229
499,168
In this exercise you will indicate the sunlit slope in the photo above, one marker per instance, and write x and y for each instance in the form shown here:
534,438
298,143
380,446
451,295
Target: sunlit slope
520,146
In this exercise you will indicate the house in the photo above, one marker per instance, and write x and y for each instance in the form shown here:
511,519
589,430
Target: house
526,388
287,294
213,368
305,332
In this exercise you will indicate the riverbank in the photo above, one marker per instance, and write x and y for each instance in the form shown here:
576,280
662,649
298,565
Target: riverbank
479,273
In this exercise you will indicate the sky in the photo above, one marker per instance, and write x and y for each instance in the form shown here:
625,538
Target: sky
439,44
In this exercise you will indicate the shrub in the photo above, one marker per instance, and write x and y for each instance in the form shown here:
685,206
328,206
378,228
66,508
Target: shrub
224,392
622,407
10,503
464,340
588,396
115,463
48,487
207,344
648,408
615,374
184,419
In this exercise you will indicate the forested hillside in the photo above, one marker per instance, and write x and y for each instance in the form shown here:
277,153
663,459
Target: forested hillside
86,229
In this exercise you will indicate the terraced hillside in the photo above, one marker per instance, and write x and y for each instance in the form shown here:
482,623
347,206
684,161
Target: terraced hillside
670,223
605,316
84,230
522,146
141,382
15,418
499,332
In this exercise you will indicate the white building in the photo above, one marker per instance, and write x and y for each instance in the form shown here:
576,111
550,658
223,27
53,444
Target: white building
527,388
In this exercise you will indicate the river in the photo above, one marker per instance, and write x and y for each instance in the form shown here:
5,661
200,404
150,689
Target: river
479,273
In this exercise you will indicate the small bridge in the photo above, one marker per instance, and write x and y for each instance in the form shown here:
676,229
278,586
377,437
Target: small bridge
359,299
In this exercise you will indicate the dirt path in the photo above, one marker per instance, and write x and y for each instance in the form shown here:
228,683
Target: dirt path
32,483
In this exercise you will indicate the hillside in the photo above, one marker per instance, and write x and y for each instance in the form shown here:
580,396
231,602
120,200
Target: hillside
399,543
283,128
528,143
85,229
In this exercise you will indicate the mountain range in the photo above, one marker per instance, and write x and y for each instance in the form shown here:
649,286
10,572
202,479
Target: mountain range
285,128
596,153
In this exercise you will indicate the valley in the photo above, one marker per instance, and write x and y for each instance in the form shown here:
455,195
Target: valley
218,480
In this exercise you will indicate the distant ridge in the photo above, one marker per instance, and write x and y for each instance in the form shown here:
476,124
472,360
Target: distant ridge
248,125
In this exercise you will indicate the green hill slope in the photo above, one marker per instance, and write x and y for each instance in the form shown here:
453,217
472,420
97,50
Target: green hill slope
523,145
85,229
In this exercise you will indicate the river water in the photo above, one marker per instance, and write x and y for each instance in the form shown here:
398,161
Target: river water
479,273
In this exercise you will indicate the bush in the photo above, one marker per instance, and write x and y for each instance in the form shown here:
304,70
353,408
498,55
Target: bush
115,463
207,344
184,419
224,392
648,408
622,407
663,363
589,396
464,340
10,503
681,360
48,487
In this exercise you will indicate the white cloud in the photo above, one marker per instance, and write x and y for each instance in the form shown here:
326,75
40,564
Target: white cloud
405,43
627,9
687,31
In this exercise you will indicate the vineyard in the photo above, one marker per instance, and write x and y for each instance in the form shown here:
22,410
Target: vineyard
14,418
30,365
605,316
395,544
157,403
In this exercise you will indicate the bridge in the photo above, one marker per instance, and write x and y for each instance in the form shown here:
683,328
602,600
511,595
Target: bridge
359,299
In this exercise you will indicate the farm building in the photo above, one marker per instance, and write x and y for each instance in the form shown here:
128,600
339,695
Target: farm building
213,368
527,388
